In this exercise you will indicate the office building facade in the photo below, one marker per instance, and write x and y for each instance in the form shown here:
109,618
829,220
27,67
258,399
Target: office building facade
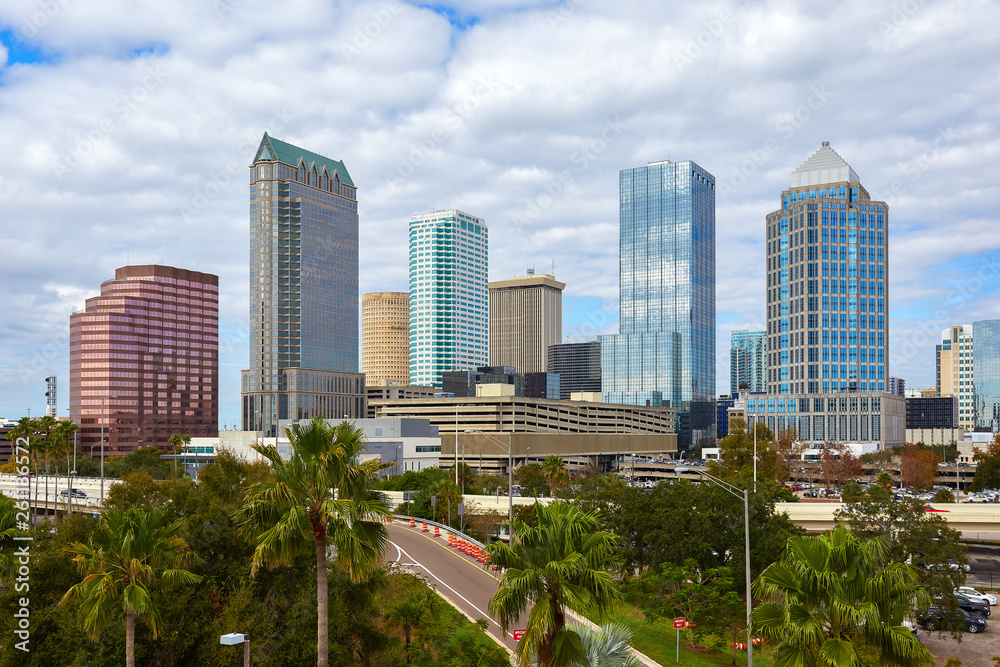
986,374
954,366
578,365
148,347
932,413
303,290
665,351
827,277
449,300
747,360
385,337
525,320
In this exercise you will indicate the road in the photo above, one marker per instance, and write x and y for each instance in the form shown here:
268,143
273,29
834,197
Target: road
459,578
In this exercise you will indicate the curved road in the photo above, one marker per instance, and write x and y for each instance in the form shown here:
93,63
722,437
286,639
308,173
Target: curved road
462,580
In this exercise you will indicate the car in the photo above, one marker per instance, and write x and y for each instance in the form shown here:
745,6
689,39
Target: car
973,593
76,493
966,603
933,619
951,564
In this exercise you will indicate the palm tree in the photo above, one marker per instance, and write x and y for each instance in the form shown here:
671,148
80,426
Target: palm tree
26,428
407,615
561,564
554,469
62,438
130,552
8,531
47,425
606,646
175,442
837,600
321,494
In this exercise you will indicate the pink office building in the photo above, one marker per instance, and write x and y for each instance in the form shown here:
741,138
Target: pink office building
148,346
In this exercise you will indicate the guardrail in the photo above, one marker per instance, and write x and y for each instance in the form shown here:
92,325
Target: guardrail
458,533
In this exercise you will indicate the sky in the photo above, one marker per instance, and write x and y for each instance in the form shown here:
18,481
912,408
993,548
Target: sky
127,127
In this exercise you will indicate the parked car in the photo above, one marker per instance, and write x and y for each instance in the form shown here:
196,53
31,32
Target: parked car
972,593
76,493
934,619
966,603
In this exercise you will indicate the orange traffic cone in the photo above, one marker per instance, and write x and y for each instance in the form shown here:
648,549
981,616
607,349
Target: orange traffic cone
413,522
437,532
425,528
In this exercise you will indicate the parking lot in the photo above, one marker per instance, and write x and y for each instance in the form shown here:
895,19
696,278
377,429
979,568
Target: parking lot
973,651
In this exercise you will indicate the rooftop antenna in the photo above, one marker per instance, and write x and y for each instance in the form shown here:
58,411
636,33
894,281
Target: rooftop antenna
553,266
531,270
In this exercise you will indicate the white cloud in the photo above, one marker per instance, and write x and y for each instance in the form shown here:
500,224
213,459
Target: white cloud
130,140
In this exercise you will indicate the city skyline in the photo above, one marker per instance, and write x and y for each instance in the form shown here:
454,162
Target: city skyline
480,114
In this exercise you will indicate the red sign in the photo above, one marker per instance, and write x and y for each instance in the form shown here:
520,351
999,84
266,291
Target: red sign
680,623
518,634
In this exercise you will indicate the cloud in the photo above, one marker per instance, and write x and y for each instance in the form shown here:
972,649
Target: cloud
129,127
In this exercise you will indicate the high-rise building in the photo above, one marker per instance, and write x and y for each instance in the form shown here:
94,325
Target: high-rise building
896,386
525,319
954,371
385,337
303,290
578,365
449,258
747,360
986,374
665,351
51,396
148,349
826,281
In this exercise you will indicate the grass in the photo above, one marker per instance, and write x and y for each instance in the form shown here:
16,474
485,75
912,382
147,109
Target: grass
658,641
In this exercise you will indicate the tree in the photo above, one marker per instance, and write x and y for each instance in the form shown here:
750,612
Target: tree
736,450
25,430
988,468
789,452
917,468
406,615
532,480
606,646
838,465
321,494
562,563
912,535
837,600
554,469
130,554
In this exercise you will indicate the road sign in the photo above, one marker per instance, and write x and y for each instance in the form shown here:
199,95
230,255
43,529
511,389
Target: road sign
518,634
680,623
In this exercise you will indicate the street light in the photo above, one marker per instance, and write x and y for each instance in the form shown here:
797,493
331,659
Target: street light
510,479
726,486
234,638
73,471
102,445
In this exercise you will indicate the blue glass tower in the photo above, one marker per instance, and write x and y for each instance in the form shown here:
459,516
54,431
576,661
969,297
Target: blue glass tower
986,373
665,353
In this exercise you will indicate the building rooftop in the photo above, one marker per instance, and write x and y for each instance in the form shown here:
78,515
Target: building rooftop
275,149
824,166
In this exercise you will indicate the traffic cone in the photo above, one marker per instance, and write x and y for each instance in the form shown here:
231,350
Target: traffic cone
437,532
425,528
413,522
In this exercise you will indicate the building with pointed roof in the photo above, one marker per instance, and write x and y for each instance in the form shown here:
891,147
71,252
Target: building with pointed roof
827,326
303,290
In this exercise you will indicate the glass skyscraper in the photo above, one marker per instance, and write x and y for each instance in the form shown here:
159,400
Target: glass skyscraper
747,360
303,290
449,299
986,373
827,296
665,353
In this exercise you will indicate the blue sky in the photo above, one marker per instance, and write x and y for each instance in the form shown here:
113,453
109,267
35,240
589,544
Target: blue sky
128,127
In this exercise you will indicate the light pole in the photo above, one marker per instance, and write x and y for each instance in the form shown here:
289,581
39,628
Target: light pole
73,471
726,486
235,638
397,459
510,480
102,445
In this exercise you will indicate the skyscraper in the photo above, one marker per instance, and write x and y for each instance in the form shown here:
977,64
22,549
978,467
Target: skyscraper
385,337
747,360
303,289
147,349
449,256
827,334
665,353
986,373
954,361
578,365
525,319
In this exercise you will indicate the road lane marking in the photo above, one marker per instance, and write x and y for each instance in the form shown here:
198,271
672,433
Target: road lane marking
425,568
456,554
